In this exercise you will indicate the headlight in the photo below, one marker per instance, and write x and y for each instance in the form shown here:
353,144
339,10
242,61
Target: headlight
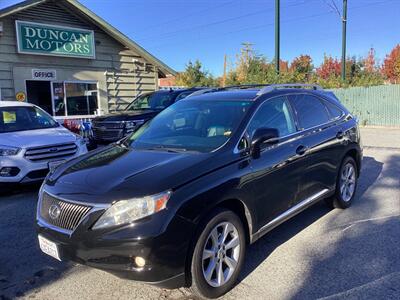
130,124
127,211
8,151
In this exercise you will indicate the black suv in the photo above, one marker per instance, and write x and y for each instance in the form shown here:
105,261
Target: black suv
113,127
176,203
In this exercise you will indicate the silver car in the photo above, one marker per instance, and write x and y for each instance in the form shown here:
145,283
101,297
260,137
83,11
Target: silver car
32,142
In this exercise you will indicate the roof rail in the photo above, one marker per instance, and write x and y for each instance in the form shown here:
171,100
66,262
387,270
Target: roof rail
273,87
217,89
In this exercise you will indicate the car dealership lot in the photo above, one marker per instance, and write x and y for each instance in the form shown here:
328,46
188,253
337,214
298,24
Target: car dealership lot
319,253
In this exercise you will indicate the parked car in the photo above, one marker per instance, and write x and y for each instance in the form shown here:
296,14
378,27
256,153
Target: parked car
113,127
31,142
176,203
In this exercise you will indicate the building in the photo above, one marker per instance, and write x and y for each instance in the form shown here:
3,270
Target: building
61,56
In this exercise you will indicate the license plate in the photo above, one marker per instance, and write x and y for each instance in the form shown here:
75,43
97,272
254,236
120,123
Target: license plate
54,164
48,247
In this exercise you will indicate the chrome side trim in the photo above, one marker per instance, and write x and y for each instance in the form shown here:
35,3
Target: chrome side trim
288,214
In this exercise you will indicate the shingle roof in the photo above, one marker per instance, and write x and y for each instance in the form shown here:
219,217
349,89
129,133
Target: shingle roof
106,27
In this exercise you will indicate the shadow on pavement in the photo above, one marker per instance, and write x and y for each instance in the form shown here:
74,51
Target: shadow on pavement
22,265
260,251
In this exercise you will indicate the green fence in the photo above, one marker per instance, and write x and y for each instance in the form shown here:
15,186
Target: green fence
375,106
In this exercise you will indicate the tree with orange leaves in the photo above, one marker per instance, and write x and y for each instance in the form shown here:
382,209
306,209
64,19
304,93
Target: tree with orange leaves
391,65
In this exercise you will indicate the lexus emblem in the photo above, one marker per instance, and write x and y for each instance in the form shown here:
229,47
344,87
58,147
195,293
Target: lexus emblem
53,149
54,211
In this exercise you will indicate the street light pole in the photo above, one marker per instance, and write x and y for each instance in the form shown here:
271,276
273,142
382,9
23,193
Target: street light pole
344,23
277,35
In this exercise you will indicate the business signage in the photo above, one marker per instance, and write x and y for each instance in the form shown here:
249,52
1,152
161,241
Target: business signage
45,39
41,74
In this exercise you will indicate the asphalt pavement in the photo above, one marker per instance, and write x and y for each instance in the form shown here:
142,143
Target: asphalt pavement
320,253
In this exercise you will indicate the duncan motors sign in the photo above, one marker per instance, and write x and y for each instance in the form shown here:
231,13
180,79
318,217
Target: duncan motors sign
44,39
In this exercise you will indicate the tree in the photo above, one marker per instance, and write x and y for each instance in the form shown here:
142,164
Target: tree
370,61
195,75
391,65
331,67
302,64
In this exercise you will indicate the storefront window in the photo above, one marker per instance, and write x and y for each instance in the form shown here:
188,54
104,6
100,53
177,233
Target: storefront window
81,98
74,98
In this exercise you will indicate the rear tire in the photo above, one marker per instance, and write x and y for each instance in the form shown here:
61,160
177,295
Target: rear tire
346,185
218,254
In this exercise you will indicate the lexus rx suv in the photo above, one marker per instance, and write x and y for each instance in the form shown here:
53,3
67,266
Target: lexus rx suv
176,203
32,142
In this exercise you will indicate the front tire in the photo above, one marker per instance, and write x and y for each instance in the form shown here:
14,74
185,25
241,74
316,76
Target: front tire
346,184
218,254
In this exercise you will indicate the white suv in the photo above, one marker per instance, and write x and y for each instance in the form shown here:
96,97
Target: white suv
32,142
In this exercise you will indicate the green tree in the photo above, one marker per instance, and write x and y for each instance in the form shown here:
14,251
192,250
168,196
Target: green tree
195,75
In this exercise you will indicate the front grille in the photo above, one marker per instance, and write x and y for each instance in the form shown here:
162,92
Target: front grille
107,134
51,152
69,216
109,125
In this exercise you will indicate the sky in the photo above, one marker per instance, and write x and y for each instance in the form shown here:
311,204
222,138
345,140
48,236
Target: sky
176,31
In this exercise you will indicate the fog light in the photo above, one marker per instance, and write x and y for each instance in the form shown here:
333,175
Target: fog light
9,171
140,261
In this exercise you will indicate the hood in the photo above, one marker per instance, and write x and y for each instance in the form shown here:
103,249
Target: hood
143,114
37,137
118,172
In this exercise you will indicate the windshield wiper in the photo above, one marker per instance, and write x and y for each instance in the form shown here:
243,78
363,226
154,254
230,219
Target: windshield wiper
168,149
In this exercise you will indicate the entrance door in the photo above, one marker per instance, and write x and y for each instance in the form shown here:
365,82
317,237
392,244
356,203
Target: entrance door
39,93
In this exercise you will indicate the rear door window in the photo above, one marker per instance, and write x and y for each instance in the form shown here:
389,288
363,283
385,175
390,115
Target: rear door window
310,111
273,113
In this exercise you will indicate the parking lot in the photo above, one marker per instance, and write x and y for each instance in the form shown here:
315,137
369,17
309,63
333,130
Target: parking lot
320,253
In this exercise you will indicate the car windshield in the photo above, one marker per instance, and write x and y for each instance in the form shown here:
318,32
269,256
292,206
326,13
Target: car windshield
192,125
155,101
20,118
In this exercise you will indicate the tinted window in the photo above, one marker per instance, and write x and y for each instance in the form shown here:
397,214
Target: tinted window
183,95
191,126
156,101
273,113
310,111
334,111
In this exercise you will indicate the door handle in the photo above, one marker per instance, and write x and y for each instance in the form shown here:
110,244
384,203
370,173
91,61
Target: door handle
340,135
301,150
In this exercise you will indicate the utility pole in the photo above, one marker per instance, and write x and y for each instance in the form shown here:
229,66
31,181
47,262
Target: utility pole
277,35
224,76
344,24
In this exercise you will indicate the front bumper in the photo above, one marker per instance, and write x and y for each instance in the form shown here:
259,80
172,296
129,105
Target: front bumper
114,251
31,171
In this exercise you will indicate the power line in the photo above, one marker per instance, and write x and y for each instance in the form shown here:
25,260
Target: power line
185,16
257,27
201,26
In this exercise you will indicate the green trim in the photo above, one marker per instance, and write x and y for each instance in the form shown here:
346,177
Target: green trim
108,28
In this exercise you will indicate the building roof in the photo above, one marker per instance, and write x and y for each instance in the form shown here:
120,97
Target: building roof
102,24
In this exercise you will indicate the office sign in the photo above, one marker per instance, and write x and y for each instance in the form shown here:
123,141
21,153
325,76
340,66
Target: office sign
42,74
45,39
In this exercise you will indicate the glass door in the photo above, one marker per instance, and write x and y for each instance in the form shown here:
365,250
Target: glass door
59,107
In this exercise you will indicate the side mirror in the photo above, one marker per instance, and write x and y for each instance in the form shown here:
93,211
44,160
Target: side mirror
261,136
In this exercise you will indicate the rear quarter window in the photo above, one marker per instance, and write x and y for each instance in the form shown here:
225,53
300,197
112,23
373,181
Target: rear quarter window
310,111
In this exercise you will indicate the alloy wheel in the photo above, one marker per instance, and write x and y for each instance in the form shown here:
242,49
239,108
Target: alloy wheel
221,254
347,182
